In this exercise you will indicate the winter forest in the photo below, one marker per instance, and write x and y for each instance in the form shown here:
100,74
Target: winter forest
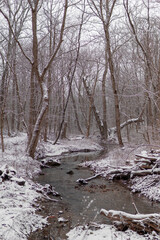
84,67
80,69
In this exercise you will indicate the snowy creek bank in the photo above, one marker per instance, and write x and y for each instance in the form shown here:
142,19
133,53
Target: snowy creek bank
24,208
18,193
81,204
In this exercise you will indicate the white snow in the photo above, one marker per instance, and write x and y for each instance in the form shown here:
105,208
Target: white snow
119,157
71,145
114,214
18,216
149,186
62,220
106,232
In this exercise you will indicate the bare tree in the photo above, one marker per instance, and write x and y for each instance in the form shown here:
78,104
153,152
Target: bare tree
104,10
34,130
71,74
17,14
41,77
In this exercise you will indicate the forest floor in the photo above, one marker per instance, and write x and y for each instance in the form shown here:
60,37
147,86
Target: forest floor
19,193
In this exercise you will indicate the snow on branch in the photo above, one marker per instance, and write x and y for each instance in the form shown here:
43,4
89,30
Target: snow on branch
129,121
113,130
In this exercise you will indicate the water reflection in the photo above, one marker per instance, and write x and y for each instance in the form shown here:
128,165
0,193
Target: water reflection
82,204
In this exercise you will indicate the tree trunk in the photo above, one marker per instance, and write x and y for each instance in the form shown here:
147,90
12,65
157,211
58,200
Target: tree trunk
36,131
104,103
75,112
91,103
89,119
114,87
32,107
46,123
158,101
95,112
34,72
70,78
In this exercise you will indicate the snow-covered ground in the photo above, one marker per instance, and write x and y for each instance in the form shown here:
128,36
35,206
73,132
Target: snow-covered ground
149,185
18,203
107,232
75,144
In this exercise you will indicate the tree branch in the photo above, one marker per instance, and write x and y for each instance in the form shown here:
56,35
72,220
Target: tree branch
14,35
60,40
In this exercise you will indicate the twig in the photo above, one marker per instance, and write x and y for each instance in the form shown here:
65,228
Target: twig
50,199
135,207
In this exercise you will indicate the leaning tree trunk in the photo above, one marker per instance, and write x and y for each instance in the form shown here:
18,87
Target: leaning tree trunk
32,144
114,87
36,131
76,114
95,112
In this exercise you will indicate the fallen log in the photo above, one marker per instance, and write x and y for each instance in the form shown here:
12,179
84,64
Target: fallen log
152,158
138,222
145,163
85,181
130,173
143,166
117,175
142,160
145,172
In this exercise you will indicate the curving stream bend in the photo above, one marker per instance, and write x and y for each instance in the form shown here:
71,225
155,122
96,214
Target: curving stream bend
80,205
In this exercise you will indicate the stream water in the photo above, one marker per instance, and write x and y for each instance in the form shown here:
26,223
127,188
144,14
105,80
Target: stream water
80,205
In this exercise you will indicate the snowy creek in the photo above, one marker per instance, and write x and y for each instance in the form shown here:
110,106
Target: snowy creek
81,204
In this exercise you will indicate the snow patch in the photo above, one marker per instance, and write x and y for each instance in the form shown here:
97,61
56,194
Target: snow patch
18,217
106,232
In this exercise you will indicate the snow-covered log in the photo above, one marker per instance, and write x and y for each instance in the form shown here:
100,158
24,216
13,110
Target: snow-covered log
151,158
145,172
137,222
130,173
147,161
85,181
142,160
144,165
124,173
147,164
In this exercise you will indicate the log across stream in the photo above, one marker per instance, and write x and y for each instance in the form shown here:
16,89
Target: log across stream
81,204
